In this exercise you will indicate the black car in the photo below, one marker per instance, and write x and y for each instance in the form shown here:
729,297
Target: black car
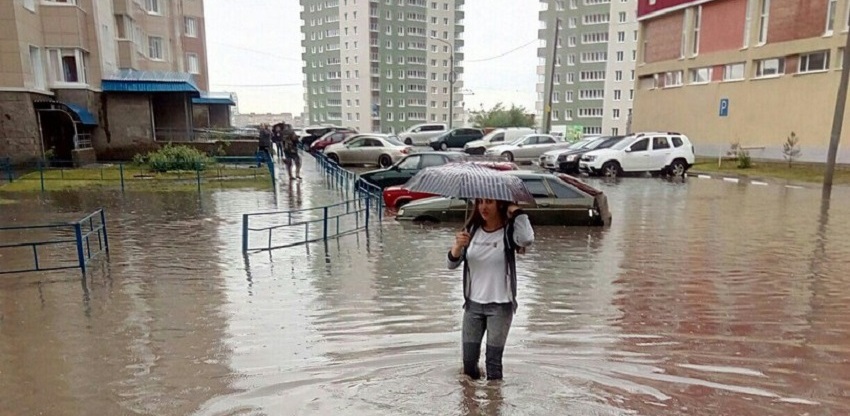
568,161
455,138
404,169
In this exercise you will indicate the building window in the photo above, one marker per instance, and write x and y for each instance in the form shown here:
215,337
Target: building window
697,24
617,95
152,6
622,17
734,72
155,48
616,114
770,67
764,19
813,62
618,75
673,79
37,65
621,37
701,75
830,16
191,27
620,56
66,65
192,63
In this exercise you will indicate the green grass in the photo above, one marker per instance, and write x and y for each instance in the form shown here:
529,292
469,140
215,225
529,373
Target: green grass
140,178
799,172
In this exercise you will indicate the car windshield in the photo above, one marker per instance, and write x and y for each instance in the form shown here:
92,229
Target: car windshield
623,144
595,143
518,141
581,144
394,140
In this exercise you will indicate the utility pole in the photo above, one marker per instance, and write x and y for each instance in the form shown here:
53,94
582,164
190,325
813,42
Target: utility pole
837,121
547,109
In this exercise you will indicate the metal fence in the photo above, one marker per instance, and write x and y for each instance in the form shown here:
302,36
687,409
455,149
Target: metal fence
348,181
50,244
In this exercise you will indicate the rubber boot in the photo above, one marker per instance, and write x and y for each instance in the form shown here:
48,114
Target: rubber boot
471,355
493,360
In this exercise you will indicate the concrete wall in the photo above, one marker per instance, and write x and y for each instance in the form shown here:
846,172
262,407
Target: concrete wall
219,116
127,121
170,116
663,37
795,19
19,136
11,68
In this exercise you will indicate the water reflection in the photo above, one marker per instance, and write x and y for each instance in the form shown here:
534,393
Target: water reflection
703,297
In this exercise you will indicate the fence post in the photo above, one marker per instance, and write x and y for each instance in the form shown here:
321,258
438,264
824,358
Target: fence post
81,258
325,223
368,208
9,172
103,224
121,171
41,174
244,233
198,175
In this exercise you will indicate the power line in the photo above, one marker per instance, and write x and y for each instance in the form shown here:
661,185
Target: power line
259,85
502,54
258,51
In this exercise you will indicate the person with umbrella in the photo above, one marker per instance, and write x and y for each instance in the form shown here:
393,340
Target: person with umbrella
495,232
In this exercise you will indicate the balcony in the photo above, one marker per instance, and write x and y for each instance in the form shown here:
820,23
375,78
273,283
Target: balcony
64,25
122,7
127,54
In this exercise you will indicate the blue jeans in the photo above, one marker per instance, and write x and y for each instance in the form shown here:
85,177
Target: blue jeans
495,319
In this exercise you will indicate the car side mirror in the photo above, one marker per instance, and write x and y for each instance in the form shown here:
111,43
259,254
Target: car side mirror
628,150
520,145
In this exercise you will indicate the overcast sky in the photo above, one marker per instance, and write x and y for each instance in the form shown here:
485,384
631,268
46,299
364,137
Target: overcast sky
258,42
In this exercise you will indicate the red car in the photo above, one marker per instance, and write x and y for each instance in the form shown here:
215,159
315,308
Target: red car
396,197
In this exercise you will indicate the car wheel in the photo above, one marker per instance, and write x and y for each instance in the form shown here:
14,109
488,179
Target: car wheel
408,141
508,156
678,168
611,169
385,161
477,151
444,146
334,158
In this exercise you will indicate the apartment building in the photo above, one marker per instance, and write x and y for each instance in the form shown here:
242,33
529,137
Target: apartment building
83,76
382,65
594,59
742,71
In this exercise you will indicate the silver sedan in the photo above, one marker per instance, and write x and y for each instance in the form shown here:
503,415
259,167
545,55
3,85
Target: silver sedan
368,149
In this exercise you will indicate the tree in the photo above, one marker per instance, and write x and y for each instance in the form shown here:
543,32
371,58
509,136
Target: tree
499,116
790,150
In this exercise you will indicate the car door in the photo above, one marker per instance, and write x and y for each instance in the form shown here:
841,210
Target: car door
372,151
570,206
525,149
660,153
636,156
541,213
497,139
352,152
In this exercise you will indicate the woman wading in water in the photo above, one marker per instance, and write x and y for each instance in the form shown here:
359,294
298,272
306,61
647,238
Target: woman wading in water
487,248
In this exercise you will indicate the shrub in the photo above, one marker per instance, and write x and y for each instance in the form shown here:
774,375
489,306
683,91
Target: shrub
170,158
791,149
741,155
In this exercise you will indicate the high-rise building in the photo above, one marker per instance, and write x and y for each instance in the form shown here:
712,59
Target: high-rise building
742,71
594,59
95,74
382,65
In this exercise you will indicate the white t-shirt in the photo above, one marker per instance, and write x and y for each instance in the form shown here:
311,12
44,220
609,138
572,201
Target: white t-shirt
487,267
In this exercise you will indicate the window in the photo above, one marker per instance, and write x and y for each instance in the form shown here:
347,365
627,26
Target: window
770,67
697,24
617,95
562,191
410,163
733,72
622,17
817,61
620,56
621,37
66,65
683,42
537,188
677,141
660,143
37,65
830,16
590,112
641,145
152,6
616,114
155,48
701,75
191,27
673,79
618,75
748,22
764,18
192,63
615,131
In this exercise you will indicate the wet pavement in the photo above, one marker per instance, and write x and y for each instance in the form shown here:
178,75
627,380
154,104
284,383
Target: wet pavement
703,298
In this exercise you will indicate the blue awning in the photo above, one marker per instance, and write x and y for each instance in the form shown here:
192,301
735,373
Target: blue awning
130,80
210,98
86,118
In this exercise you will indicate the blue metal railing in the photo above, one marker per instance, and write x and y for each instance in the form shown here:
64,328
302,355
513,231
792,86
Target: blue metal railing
283,222
83,230
349,181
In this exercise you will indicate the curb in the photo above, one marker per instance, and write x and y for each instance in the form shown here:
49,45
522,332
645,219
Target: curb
743,180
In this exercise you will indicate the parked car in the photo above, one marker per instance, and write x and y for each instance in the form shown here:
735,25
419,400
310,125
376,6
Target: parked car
455,138
408,166
560,200
328,139
315,133
495,138
397,196
567,160
657,152
527,148
368,149
421,134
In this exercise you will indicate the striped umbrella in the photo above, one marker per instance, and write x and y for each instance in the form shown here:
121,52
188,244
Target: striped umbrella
469,181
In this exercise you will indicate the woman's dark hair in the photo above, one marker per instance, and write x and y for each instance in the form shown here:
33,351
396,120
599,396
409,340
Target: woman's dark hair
476,221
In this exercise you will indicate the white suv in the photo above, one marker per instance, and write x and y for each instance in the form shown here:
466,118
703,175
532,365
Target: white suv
656,152
421,134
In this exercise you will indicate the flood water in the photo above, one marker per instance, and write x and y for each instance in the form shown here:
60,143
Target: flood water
703,298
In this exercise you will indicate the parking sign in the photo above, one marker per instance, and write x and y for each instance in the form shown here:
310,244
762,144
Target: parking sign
724,107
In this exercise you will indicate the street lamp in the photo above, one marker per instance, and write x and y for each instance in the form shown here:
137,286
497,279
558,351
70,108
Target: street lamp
452,77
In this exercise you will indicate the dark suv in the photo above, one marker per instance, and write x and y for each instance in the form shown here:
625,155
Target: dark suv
455,138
